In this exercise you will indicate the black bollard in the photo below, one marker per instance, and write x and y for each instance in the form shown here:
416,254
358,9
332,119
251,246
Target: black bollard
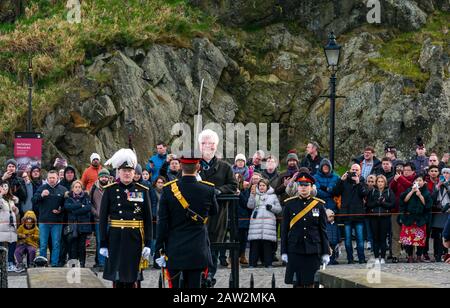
295,280
273,281
3,268
160,281
252,282
231,282
181,284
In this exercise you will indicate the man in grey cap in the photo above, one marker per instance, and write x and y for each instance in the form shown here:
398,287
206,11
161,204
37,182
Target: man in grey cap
286,177
16,183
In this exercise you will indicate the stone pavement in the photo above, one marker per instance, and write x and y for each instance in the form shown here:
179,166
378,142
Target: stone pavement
433,273
437,274
401,275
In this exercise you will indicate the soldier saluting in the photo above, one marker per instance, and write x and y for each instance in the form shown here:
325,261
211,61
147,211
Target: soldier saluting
182,235
304,240
126,210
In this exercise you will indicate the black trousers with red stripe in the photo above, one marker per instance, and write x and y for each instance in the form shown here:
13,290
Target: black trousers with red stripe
191,278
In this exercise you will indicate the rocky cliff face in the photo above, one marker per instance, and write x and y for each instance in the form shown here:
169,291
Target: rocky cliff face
137,92
320,16
273,71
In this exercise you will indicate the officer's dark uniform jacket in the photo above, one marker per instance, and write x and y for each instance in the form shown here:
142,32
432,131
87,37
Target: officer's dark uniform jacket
309,235
184,240
122,202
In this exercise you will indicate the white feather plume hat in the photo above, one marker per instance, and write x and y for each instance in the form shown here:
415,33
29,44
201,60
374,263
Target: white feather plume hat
123,158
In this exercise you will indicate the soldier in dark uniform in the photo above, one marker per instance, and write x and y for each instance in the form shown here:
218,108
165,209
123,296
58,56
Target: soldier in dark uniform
182,235
125,208
304,240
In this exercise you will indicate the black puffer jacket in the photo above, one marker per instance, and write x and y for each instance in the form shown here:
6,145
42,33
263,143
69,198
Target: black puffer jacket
79,211
380,202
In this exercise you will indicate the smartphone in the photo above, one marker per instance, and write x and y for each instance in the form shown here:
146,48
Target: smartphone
442,178
255,214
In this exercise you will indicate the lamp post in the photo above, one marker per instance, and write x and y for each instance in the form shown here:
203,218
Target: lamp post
332,53
30,95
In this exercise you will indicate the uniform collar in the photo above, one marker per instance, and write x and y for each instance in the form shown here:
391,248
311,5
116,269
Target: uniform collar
304,199
126,186
189,179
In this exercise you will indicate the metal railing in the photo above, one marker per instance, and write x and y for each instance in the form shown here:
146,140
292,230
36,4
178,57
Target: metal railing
231,201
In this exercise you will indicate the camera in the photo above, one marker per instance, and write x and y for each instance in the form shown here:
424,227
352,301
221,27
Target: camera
416,185
351,174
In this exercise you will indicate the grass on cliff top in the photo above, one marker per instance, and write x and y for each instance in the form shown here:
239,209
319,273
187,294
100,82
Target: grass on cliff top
58,47
401,54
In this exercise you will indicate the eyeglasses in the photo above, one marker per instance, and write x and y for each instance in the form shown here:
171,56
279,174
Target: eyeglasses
433,160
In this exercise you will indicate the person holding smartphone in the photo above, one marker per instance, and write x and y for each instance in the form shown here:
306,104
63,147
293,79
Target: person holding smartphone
415,209
262,232
353,190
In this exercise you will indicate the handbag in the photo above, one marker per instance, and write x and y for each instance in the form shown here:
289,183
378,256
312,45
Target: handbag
71,231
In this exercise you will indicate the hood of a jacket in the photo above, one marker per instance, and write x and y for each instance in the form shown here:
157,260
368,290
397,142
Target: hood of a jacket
271,191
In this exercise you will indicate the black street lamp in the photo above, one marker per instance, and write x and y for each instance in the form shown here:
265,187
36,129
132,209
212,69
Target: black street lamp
332,53
30,95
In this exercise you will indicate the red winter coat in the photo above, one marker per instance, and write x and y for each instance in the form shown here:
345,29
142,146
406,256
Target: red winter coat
400,186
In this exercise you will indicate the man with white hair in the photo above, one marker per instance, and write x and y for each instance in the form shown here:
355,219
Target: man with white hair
220,174
90,175
256,161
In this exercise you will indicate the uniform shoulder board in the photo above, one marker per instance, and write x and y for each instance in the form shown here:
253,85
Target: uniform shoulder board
291,198
169,183
110,185
320,200
207,183
142,186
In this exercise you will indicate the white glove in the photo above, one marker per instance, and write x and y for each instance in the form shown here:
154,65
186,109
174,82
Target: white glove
104,252
284,258
146,252
161,261
325,259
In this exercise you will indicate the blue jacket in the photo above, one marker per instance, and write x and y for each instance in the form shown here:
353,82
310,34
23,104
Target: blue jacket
325,184
446,233
79,211
421,163
244,212
158,161
334,235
